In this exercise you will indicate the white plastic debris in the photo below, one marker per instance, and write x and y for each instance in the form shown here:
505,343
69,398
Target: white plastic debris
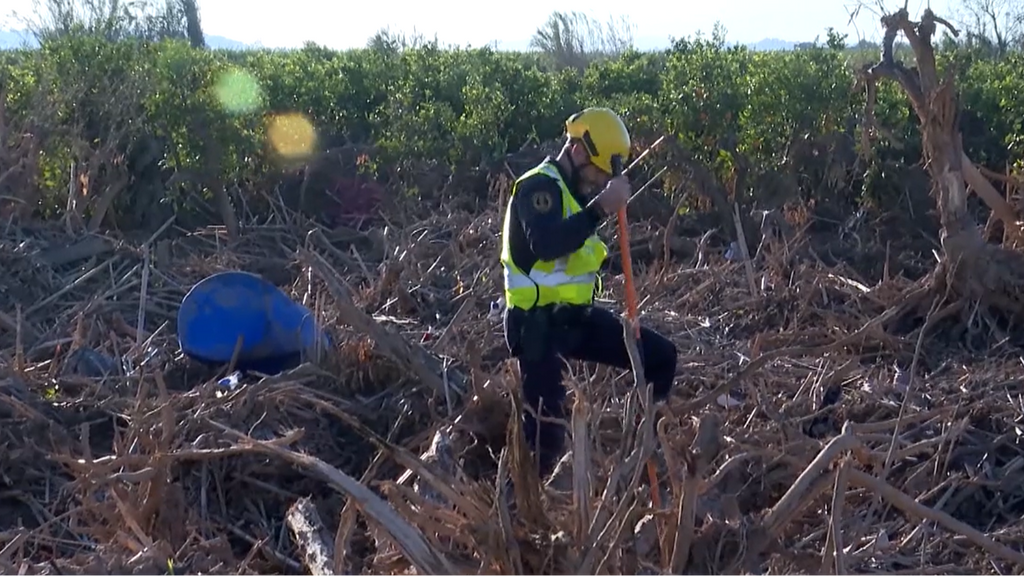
733,253
497,309
727,401
231,381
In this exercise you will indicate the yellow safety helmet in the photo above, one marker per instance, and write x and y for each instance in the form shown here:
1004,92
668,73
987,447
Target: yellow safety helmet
603,135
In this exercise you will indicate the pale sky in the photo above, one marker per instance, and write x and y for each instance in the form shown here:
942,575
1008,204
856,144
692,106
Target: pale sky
289,23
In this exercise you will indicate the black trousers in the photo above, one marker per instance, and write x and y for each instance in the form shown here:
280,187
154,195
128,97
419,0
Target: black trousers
542,337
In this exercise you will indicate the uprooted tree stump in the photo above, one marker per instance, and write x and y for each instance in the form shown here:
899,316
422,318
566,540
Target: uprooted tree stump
971,269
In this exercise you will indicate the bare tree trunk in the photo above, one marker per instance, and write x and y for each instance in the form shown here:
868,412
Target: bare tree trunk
973,268
193,27
213,177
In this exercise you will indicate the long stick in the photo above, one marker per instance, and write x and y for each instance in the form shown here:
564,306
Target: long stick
627,271
631,309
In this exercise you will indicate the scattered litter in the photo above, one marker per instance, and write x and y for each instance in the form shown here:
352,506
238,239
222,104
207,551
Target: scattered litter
231,381
497,310
733,253
728,401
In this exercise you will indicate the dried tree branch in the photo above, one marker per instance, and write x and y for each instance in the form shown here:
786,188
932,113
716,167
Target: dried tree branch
317,550
912,507
406,537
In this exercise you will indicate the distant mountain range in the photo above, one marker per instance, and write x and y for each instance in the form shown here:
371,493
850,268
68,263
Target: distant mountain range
772,44
10,39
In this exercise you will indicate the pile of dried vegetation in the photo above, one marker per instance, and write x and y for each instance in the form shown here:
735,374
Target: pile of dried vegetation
867,440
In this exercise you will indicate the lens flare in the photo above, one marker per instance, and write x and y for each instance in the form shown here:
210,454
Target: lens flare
238,91
291,135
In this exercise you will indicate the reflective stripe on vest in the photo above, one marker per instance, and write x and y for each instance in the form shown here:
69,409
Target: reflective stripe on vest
571,279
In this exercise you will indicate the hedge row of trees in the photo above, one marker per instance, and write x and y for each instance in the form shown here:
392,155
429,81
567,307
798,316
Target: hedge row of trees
132,106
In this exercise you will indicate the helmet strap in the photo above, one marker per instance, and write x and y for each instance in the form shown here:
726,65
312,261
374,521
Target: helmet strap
574,173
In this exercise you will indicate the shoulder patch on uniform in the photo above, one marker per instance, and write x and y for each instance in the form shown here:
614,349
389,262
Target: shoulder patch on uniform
542,201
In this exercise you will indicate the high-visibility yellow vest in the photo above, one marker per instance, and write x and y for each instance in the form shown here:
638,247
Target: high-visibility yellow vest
572,279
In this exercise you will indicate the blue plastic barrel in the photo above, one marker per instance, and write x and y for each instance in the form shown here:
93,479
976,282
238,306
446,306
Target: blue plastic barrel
276,331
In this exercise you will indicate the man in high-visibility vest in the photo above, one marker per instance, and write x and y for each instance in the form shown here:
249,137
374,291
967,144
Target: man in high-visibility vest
551,256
